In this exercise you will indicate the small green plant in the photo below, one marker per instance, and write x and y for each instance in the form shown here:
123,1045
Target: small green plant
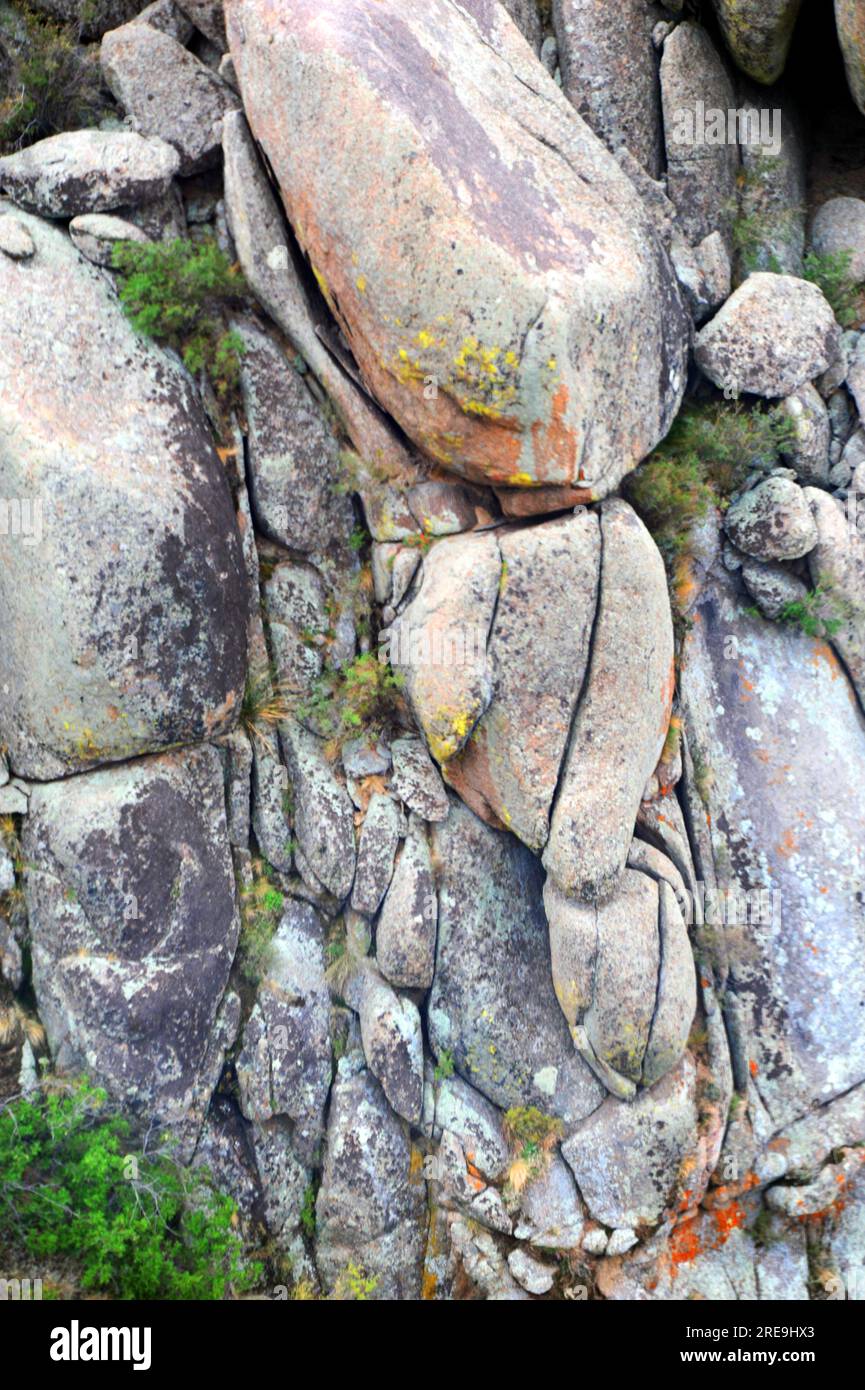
261,904
354,1285
817,614
52,83
307,1210
361,695
444,1066
359,538
532,1136
136,1227
831,274
177,292
706,456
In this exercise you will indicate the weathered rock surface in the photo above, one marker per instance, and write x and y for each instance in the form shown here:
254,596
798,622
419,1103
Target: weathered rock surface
416,299
167,92
851,36
625,705
773,334
324,820
15,240
758,34
773,194
293,456
208,16
492,956
376,852
417,780
537,653
627,1159
839,228
405,934
701,177
133,922
837,565
258,230
284,1066
97,233
125,595
439,642
610,73
808,451
776,730
390,1029
772,521
624,977
88,171
371,1205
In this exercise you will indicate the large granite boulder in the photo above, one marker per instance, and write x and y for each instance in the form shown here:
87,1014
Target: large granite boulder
88,171
442,115
850,20
133,925
701,175
125,597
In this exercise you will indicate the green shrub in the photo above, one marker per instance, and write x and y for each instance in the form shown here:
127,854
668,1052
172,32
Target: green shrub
133,1227
176,292
363,694
831,274
706,456
444,1066
817,614
51,83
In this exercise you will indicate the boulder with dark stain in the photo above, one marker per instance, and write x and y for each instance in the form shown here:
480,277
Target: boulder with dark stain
121,576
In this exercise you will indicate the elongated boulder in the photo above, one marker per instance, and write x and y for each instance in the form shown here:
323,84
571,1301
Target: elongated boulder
492,1006
509,769
441,116
610,72
622,716
837,565
133,922
850,19
88,171
777,737
701,175
439,642
624,977
124,598
758,33
371,1206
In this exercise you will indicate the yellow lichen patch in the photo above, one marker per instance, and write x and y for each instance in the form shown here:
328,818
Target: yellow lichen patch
361,283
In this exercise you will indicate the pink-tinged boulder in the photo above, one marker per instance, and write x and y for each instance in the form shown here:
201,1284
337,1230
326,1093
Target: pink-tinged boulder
490,265
622,714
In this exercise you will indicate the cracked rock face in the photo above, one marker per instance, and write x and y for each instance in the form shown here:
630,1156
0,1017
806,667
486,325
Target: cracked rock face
125,591
566,230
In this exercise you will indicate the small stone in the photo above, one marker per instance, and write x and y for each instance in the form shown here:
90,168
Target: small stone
772,521
15,240
533,1276
97,233
417,780
839,227
621,1240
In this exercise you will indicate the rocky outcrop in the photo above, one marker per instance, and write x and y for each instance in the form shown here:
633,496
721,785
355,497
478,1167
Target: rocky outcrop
488,385
125,593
